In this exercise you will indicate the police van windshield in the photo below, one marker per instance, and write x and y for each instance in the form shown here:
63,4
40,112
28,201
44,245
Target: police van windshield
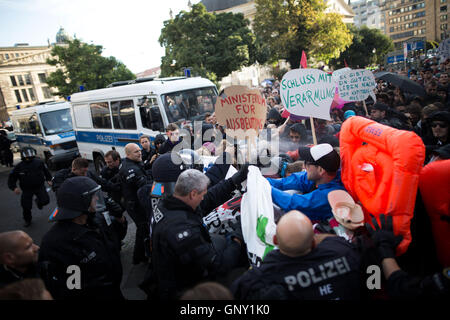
55,122
189,105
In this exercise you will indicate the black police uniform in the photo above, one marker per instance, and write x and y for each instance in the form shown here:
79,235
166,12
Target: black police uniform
111,183
182,250
93,247
330,271
31,175
132,177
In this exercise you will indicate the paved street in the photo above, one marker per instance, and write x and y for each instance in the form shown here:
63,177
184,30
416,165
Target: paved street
11,219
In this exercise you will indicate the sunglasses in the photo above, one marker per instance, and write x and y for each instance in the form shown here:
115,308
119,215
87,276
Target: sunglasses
441,125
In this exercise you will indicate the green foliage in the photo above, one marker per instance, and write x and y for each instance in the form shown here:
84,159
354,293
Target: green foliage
213,45
361,52
290,26
83,64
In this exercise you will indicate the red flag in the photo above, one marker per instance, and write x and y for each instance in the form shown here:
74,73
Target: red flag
345,63
303,63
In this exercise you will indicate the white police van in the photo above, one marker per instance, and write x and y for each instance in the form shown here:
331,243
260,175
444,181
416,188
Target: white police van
48,129
112,117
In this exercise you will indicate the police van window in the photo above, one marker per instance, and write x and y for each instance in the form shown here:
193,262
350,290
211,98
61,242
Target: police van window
101,117
189,104
33,125
123,114
144,105
56,122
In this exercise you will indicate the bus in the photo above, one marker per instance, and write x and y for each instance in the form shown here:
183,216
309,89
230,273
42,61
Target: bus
48,129
108,119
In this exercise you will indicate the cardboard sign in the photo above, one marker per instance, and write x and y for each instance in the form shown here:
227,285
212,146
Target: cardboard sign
242,111
337,73
307,92
356,85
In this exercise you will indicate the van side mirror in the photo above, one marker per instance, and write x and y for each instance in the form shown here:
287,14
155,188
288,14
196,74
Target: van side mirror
156,119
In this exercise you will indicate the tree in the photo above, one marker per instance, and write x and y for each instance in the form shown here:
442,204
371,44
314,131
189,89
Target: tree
213,45
369,46
290,26
83,65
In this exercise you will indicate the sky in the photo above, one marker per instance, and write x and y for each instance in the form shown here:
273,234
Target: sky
127,29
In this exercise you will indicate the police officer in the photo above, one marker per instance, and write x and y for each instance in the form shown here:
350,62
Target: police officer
82,244
132,177
79,167
183,252
306,266
109,175
31,173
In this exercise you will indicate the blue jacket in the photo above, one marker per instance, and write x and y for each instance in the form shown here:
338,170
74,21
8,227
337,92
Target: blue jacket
313,203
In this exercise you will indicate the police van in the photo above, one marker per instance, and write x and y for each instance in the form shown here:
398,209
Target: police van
112,117
48,129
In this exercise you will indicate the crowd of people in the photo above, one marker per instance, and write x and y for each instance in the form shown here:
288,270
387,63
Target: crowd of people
323,245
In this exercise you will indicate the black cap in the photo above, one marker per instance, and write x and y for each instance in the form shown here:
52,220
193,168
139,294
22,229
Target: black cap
322,155
159,139
439,116
74,198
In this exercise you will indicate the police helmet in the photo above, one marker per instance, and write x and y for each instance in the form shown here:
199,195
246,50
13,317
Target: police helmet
74,198
27,152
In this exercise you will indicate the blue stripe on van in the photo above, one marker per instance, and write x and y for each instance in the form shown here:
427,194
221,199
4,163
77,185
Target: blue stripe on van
30,139
108,138
67,134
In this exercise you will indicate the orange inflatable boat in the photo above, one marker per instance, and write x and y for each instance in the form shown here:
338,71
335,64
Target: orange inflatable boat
434,184
380,168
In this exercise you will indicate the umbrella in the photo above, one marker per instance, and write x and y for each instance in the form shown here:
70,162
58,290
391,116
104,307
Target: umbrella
404,83
266,83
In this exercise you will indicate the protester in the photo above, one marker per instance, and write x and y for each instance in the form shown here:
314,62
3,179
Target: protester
18,257
322,175
173,134
297,270
400,285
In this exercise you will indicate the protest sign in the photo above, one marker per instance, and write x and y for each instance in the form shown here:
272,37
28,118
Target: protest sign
242,111
356,85
307,92
337,73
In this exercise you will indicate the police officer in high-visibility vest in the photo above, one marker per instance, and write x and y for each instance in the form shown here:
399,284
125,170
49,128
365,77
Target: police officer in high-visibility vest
31,173
306,266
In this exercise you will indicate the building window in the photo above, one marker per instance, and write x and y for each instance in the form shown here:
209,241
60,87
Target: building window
42,78
20,78
444,9
47,93
25,95
27,79
443,1
443,26
6,56
13,81
19,99
444,17
31,92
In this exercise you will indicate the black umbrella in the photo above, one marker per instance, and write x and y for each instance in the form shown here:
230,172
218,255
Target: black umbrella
404,83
